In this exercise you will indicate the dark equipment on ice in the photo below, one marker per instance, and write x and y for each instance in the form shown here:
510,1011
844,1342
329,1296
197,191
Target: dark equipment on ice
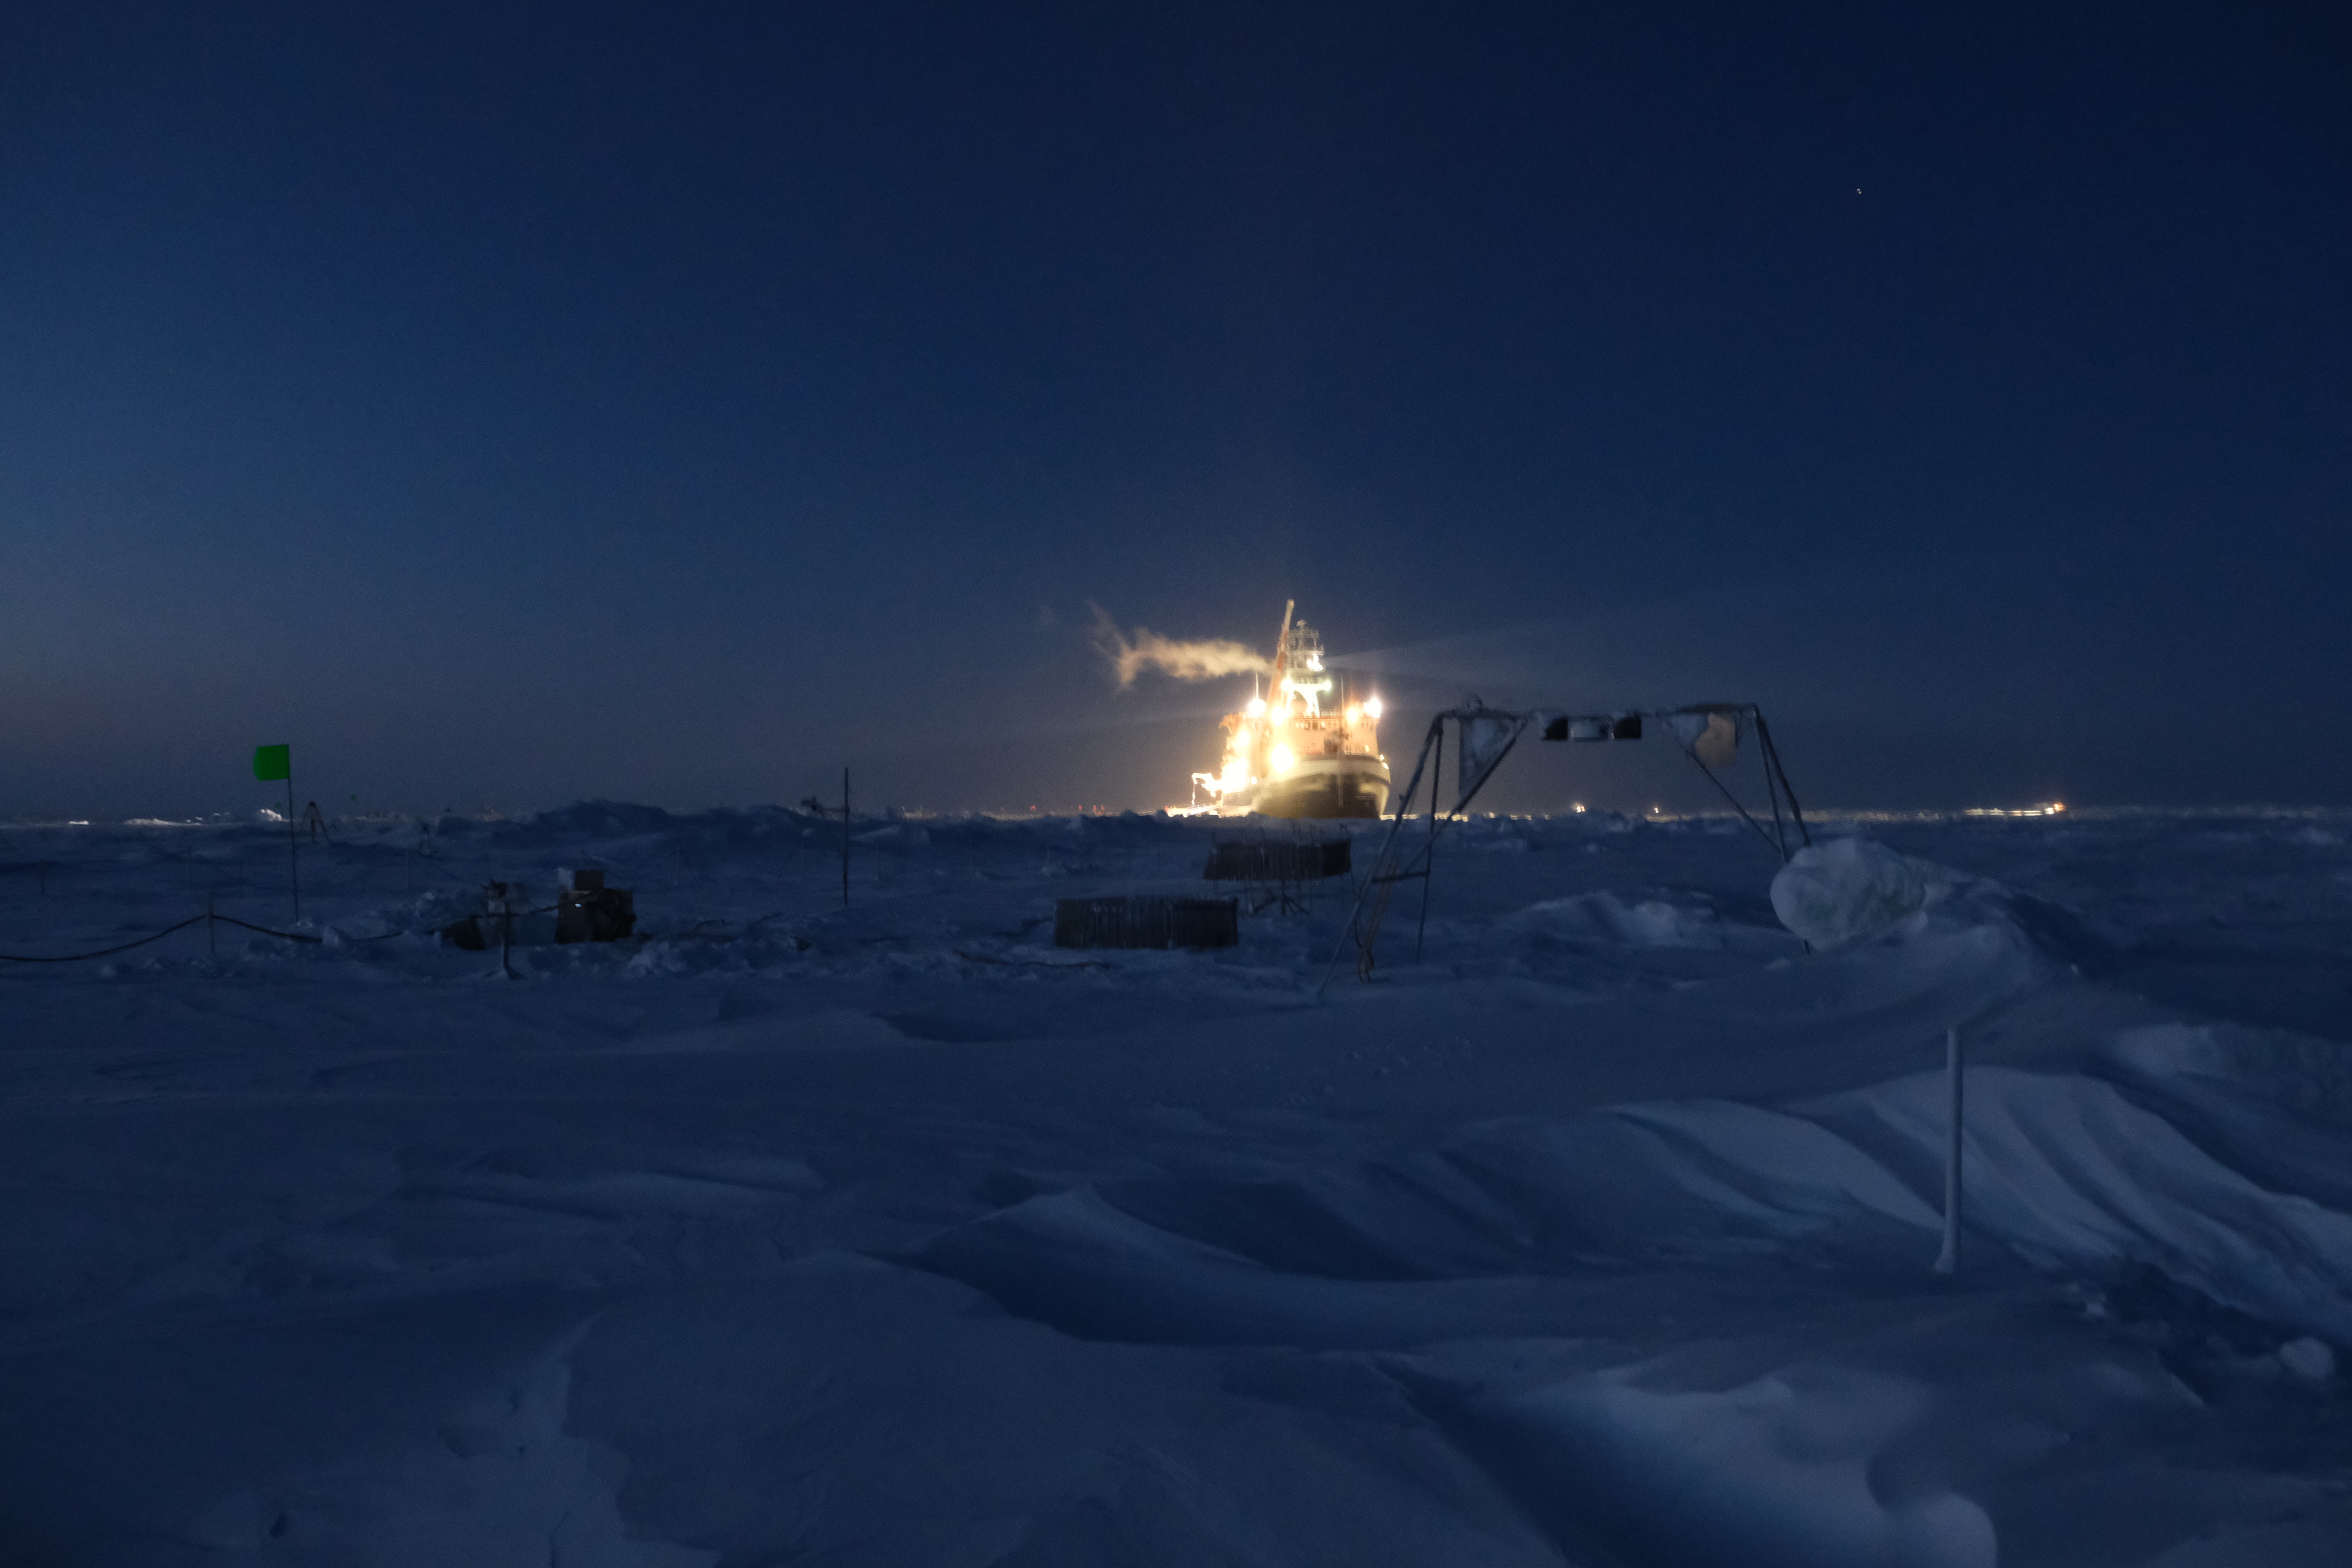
591,911
494,926
1147,922
586,912
1278,875
1309,862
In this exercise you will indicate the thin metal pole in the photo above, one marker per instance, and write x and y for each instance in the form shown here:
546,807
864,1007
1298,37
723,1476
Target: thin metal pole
1726,790
293,859
1429,862
1948,1262
1772,754
844,839
1764,756
1380,873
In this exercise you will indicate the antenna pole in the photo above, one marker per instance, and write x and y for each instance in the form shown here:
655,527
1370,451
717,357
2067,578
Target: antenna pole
1948,1262
1281,653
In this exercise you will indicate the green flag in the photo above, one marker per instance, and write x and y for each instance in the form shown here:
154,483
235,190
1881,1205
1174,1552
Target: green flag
273,761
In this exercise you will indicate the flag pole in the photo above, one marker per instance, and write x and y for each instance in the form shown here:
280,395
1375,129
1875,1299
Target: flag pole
269,765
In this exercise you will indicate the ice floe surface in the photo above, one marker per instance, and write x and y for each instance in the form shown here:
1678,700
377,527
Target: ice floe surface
1595,1230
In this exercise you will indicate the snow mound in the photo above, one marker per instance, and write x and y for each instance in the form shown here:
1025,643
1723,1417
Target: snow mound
2064,1172
1606,916
591,818
1833,892
1781,1470
500,1481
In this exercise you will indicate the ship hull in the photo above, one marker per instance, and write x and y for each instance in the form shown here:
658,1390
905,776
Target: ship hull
1326,787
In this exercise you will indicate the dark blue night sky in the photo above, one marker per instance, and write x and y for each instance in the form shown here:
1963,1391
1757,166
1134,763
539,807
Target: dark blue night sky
509,404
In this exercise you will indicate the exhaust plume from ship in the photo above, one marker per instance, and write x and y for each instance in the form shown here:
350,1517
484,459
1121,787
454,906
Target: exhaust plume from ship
1204,660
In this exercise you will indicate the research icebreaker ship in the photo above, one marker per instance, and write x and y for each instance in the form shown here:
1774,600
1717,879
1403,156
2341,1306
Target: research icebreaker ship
1305,748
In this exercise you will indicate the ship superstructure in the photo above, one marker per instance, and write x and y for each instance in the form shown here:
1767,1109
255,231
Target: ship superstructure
1304,747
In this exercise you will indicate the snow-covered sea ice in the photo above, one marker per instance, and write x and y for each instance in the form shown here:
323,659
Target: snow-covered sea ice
1600,1233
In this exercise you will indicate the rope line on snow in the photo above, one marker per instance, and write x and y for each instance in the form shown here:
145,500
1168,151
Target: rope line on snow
194,920
104,951
288,935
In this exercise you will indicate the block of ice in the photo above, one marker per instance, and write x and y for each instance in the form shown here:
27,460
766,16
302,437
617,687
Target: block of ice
1845,888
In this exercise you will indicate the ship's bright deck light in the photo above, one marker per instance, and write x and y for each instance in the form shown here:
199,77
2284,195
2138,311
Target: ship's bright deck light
1256,707
1353,714
1281,759
1372,708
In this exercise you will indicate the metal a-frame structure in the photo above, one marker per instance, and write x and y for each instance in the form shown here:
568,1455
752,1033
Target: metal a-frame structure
1708,732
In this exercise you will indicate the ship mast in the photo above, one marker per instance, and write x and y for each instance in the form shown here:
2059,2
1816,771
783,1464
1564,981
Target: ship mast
1261,743
1281,653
